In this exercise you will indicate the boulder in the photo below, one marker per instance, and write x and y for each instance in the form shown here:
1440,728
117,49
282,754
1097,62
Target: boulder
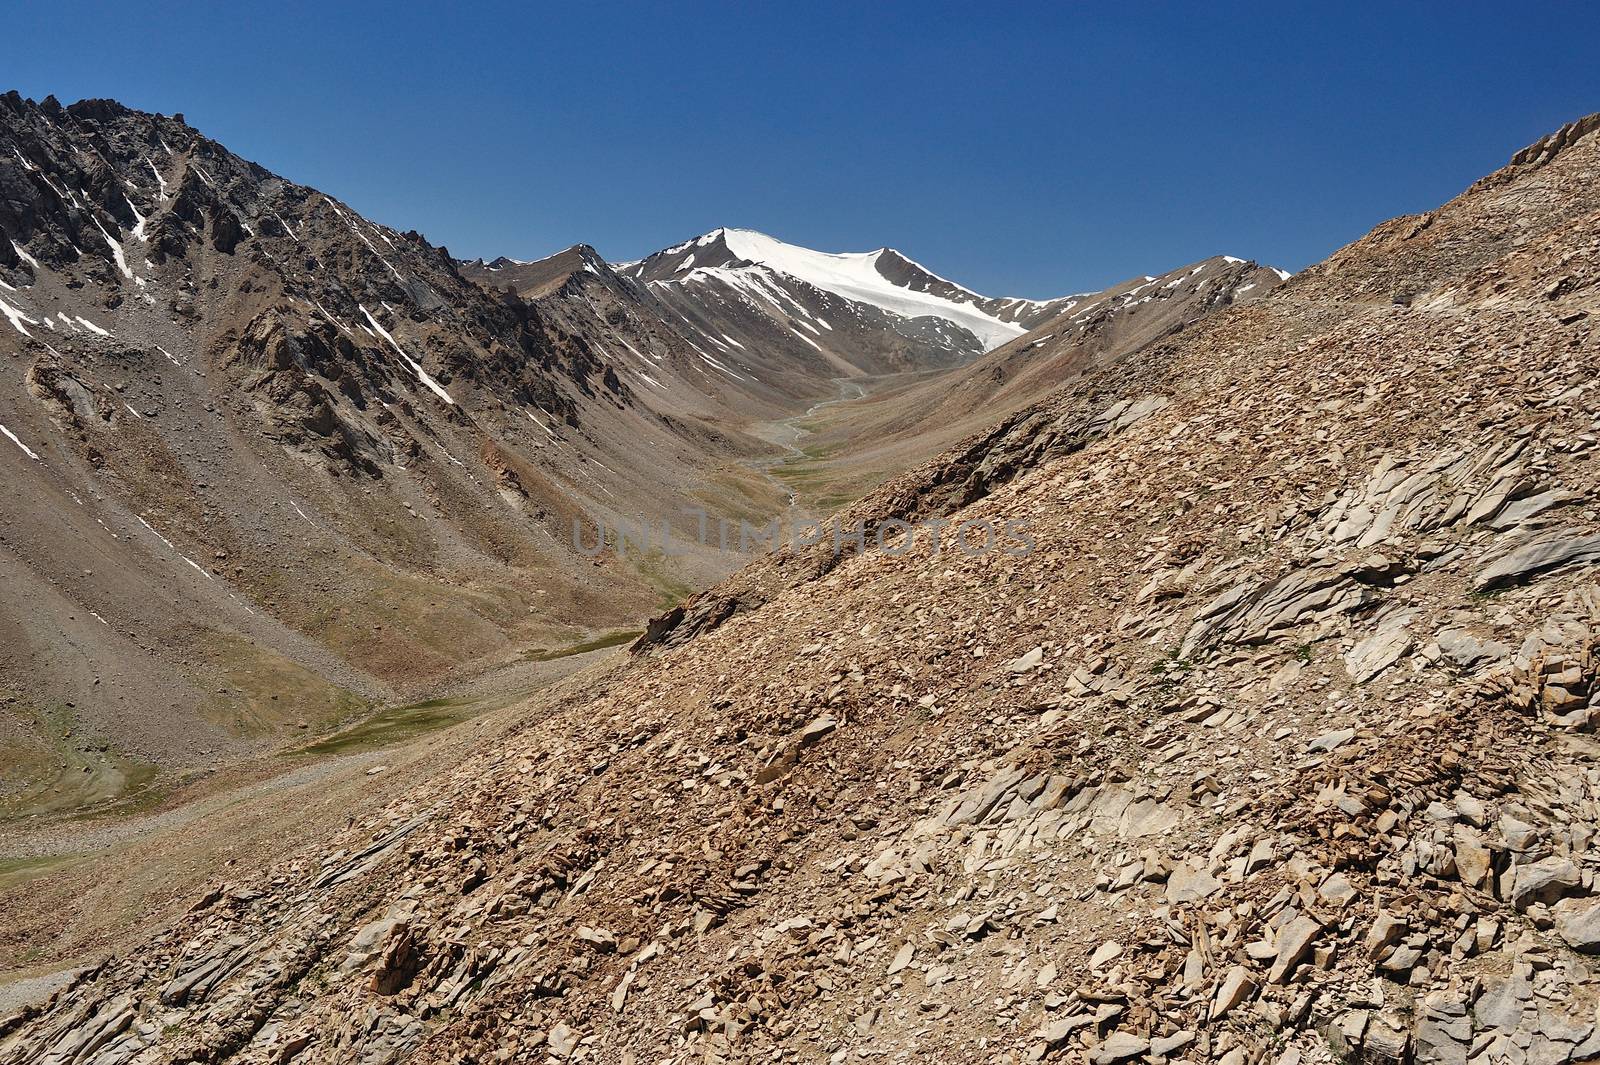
1294,941
1371,656
1546,880
1464,650
1236,987
1568,547
1578,923
1119,1046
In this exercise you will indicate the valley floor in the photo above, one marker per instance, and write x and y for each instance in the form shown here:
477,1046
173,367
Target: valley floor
75,883
71,888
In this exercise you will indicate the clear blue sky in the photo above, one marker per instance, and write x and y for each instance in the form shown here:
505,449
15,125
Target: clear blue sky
1030,150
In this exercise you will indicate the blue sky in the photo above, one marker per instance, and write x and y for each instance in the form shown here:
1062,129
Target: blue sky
1030,149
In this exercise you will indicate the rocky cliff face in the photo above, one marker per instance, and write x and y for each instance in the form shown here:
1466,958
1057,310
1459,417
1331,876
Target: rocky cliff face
1274,746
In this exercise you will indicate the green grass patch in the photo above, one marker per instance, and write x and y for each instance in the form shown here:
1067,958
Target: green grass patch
610,639
394,725
55,767
737,494
15,871
825,488
673,589
404,627
257,692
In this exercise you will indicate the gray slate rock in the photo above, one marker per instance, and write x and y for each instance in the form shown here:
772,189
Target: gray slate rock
1546,880
1579,924
1568,547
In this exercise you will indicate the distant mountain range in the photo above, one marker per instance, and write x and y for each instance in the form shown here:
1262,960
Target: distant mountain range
774,316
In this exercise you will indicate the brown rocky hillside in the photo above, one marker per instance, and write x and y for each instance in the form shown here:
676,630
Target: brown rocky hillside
1276,747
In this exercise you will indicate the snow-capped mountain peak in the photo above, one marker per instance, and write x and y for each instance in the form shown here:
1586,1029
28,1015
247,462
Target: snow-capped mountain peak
884,279
861,276
754,308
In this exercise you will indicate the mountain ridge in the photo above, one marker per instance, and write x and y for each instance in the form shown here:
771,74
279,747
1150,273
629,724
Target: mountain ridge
740,283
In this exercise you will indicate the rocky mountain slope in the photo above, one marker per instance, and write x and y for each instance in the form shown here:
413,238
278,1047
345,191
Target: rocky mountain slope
1269,741
1086,330
272,463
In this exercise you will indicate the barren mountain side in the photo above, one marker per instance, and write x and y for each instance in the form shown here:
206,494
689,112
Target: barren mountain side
1407,256
273,464
1275,746
1099,400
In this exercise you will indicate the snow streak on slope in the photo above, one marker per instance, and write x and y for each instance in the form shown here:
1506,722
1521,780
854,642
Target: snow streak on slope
855,275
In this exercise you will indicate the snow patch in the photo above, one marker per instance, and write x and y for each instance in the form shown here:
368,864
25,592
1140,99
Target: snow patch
370,246
807,339
286,227
138,228
26,450
653,356
175,551
16,318
855,276
117,253
24,256
542,425
416,366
